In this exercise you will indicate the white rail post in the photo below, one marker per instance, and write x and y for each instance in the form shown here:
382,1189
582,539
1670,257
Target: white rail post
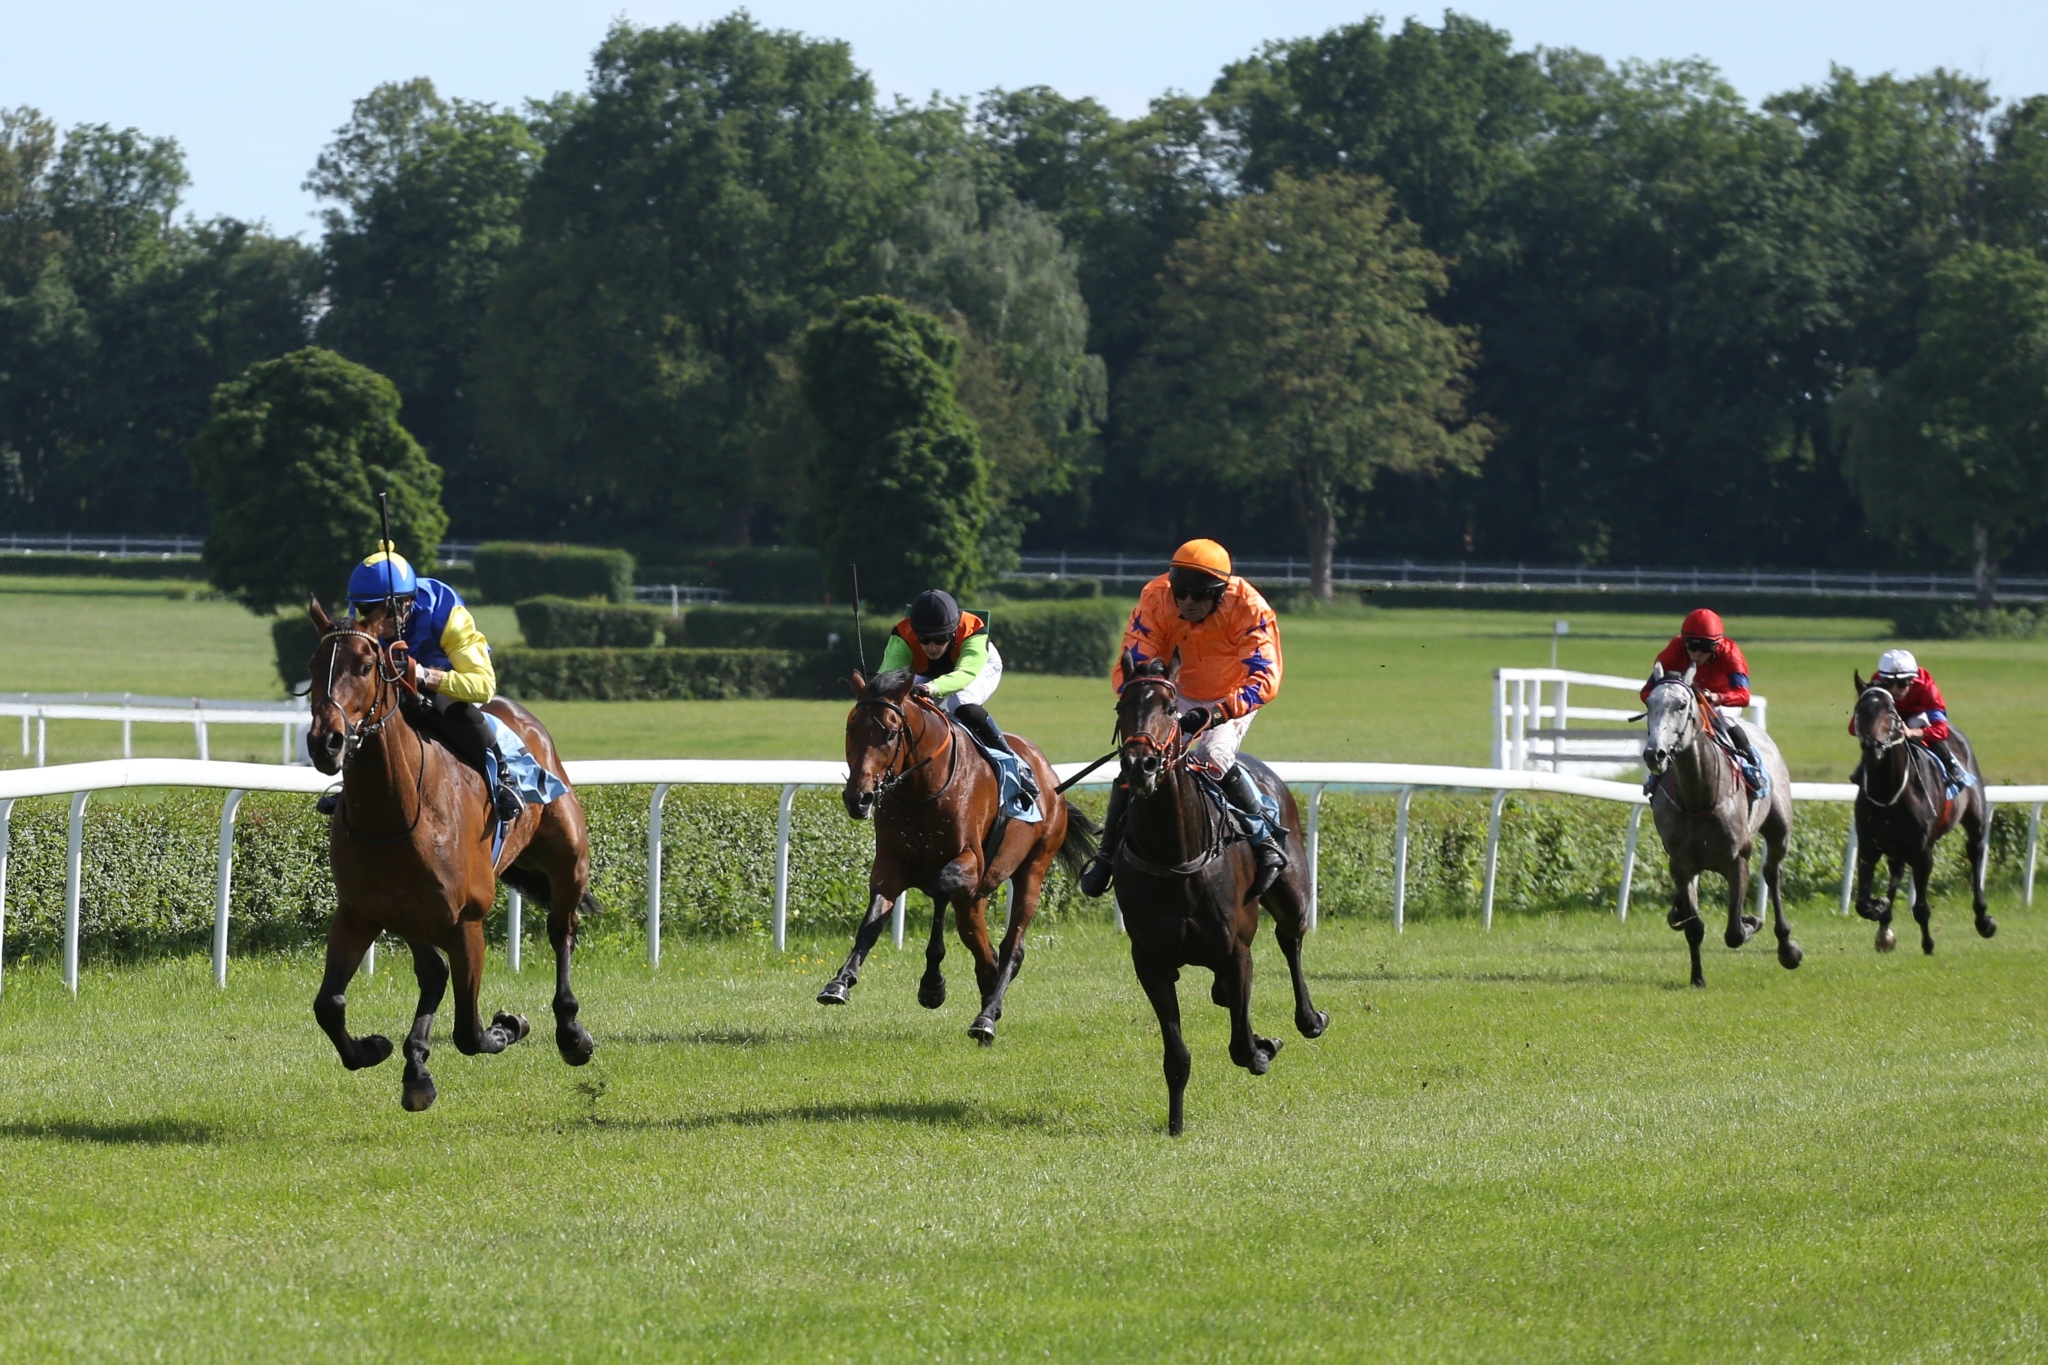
223,878
42,737
515,926
1628,862
782,867
1756,862
654,874
1500,719
24,735
1313,842
1492,857
2033,843
127,732
284,752
1849,865
199,729
370,957
898,914
1401,860
74,867
6,827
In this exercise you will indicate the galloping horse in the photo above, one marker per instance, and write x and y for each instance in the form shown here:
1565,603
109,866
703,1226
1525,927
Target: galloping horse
1902,810
411,852
935,801
1706,819
1184,877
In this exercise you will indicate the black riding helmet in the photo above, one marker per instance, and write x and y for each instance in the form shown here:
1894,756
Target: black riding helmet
933,614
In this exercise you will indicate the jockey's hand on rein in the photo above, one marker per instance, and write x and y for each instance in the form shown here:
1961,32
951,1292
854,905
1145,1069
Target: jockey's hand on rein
1194,720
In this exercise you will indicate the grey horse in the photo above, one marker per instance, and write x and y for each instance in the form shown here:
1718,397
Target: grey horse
1706,819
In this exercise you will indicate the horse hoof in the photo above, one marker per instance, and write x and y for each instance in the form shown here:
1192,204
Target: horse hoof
1986,925
417,1098
574,1042
370,1052
1175,1127
982,1030
1736,937
1868,910
513,1026
1699,983
931,992
833,994
1927,946
1263,1052
1313,1025
1790,955
1886,940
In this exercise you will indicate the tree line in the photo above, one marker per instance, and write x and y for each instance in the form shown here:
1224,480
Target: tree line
1387,291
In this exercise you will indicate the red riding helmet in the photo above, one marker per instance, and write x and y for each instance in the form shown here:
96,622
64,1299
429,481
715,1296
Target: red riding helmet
1701,624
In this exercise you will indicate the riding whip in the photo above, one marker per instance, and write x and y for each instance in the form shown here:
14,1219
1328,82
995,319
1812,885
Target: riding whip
860,645
390,586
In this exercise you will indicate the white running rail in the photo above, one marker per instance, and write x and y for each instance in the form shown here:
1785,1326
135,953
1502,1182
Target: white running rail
80,780
1533,715
40,708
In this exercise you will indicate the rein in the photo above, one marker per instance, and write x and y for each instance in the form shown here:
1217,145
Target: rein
893,778
355,732
1217,835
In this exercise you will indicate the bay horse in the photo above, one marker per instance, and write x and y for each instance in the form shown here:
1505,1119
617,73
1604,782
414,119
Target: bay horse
410,846
1903,810
1706,819
935,800
1183,876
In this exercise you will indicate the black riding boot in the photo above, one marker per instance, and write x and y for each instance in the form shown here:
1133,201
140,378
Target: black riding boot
1265,832
1739,737
1958,775
462,727
1095,876
983,727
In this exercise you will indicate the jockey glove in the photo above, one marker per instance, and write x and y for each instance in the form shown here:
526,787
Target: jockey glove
1194,720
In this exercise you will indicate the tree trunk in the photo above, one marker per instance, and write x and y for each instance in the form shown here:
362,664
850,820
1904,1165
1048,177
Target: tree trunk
1316,502
1987,568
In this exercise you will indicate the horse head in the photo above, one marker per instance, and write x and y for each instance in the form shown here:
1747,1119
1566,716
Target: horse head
346,684
1879,726
1148,720
882,738
1674,719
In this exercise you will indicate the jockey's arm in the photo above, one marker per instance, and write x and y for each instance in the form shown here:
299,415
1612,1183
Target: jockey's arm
1259,683
973,658
895,654
471,678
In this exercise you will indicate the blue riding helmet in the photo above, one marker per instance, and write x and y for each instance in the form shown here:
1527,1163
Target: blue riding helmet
380,576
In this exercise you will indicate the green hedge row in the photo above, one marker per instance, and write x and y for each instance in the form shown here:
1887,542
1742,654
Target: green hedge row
1069,637
1046,589
665,674
150,865
508,571
567,623
35,564
765,627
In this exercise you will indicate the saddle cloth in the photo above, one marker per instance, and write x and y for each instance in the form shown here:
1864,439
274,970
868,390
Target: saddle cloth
535,784
1016,802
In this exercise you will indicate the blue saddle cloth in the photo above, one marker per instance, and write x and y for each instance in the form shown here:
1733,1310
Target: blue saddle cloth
534,783
1253,829
1017,803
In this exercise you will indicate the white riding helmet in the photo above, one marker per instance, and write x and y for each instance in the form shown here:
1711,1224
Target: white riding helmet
1898,663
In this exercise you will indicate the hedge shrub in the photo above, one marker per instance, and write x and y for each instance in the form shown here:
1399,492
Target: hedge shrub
1962,621
1075,638
666,674
508,571
150,866
768,573
565,623
56,564
810,628
1047,589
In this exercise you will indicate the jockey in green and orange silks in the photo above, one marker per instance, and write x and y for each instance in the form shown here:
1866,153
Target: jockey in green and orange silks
956,665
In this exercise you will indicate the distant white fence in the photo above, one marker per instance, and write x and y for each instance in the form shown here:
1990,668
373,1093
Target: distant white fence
38,709
80,780
678,594
450,552
1533,715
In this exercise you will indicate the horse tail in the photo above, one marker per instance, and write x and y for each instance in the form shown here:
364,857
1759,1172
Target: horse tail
1083,837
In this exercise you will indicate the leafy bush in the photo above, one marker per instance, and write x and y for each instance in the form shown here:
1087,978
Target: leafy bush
564,623
294,637
508,571
1960,621
784,628
667,674
1047,589
38,564
1075,638
767,573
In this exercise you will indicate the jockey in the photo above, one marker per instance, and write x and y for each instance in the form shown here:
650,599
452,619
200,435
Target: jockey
949,652
1721,679
447,658
1229,643
1919,701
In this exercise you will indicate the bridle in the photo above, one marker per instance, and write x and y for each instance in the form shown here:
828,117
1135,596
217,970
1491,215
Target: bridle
1174,753
390,682
1702,717
1875,748
899,735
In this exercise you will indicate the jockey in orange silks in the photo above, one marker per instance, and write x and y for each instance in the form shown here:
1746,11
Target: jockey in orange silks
1720,676
1229,643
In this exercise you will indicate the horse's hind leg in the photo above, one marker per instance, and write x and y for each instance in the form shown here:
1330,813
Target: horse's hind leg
1790,954
348,938
931,988
1742,926
1025,889
1158,980
1923,913
471,1037
1979,832
1287,903
430,969
1247,1049
572,1040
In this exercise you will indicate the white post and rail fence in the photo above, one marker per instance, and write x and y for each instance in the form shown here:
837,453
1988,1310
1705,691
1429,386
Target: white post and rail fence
80,780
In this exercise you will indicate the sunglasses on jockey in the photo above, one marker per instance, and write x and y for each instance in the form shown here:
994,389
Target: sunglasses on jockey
1700,644
1193,585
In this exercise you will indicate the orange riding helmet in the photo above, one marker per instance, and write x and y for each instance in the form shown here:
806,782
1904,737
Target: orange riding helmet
1701,624
1205,555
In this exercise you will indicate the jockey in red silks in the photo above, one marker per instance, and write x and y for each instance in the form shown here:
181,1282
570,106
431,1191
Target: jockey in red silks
1919,701
1721,677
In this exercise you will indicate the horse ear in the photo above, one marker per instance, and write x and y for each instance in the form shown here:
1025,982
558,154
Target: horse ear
319,615
1173,667
858,683
1861,686
1689,671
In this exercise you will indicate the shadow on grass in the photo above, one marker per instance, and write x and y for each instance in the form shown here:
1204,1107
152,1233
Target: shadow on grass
1481,977
927,1113
145,1133
744,1037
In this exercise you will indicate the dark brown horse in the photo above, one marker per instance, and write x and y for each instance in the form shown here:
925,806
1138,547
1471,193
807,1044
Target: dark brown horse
411,852
1183,878
1902,810
935,802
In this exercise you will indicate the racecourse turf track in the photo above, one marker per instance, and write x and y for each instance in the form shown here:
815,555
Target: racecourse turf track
1529,1144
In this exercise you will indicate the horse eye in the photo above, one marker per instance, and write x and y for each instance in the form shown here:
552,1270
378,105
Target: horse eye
363,669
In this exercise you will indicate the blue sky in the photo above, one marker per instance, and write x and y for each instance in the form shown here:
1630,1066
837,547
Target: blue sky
253,91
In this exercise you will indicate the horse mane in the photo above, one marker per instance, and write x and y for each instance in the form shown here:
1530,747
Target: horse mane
882,684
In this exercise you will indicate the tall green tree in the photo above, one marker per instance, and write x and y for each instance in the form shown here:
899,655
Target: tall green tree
1954,445
899,483
720,189
424,198
1296,346
293,458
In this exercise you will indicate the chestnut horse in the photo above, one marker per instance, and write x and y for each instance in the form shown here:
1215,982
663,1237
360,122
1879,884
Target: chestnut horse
411,852
1184,877
934,799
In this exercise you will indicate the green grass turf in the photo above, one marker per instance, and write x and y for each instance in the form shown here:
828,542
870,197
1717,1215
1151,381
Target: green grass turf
1531,1145
1392,685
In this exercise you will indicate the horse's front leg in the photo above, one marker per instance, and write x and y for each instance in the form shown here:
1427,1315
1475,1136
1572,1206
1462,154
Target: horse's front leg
970,916
1247,1049
1158,980
931,988
430,969
1886,939
466,956
1684,916
1742,926
349,936
881,899
1923,913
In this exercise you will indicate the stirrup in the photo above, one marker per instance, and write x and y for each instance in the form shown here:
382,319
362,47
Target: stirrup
506,803
1272,861
328,803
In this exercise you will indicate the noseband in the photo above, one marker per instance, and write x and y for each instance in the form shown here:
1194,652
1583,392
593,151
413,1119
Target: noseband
1173,753
389,682
893,777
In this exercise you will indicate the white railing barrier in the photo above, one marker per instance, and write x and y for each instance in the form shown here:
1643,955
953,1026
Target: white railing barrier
80,780
1524,698
130,710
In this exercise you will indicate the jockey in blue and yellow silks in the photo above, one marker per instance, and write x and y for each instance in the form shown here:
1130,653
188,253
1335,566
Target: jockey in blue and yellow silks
450,662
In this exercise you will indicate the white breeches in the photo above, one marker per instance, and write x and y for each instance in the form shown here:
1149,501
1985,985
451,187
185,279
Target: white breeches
1216,747
981,689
